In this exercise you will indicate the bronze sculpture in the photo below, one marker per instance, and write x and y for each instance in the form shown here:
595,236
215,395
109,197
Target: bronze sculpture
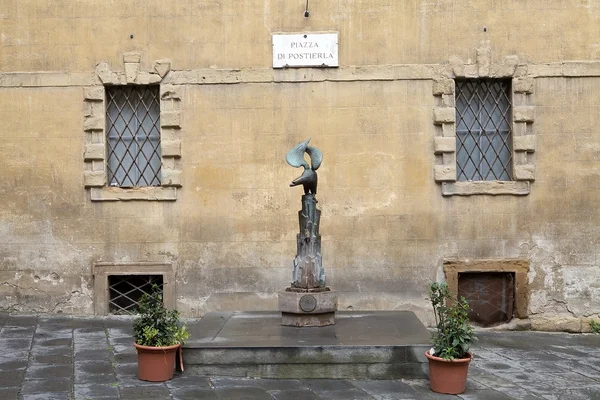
307,301
295,157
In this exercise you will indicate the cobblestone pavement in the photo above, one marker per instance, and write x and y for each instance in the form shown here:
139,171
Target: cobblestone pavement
56,357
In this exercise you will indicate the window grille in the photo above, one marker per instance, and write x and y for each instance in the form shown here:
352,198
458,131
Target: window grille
483,133
133,136
491,296
125,291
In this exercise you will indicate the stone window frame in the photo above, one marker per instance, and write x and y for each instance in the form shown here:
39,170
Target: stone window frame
523,135
520,267
102,270
94,127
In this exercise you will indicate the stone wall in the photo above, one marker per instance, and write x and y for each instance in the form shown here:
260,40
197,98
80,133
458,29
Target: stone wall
230,234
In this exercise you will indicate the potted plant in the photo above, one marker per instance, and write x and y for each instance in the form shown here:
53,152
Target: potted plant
158,335
449,357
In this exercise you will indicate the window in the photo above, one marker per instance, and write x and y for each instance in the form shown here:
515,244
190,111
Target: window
133,136
483,130
125,291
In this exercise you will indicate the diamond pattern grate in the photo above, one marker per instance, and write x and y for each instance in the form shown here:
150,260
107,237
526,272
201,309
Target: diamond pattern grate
491,296
125,291
483,133
133,136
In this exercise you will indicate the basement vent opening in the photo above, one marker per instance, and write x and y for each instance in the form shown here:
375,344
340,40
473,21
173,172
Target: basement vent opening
491,296
125,291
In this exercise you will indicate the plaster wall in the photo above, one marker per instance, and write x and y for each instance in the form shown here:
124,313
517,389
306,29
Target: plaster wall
230,235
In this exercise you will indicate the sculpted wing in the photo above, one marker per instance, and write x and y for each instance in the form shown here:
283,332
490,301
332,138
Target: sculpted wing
316,157
295,157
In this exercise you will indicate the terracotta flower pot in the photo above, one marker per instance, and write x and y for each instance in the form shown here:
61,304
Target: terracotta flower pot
156,364
448,376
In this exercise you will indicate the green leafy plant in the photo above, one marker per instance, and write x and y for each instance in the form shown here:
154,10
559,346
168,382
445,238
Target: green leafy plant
595,325
454,334
155,325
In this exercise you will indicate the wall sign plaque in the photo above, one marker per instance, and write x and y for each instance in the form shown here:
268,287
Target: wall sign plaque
305,50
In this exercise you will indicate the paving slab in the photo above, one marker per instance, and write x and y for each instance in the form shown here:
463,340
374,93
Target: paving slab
82,362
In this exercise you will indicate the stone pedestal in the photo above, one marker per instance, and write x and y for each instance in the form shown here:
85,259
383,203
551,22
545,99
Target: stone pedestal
307,307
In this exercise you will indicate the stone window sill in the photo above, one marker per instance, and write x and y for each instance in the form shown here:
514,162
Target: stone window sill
515,188
145,193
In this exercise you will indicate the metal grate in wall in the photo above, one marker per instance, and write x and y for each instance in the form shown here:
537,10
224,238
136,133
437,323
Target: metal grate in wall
125,291
491,296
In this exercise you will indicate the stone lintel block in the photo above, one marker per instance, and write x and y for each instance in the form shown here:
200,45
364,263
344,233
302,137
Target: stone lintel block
131,72
170,148
525,172
170,177
104,73
319,302
484,55
444,115
523,114
94,151
93,123
444,173
443,144
94,178
132,57
457,66
443,86
521,71
170,119
162,67
93,93
147,78
170,92
523,85
471,71
524,143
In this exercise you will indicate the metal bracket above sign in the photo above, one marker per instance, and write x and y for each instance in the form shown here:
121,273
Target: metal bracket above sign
299,50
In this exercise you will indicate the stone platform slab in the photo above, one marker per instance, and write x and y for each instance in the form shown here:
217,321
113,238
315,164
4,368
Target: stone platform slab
373,345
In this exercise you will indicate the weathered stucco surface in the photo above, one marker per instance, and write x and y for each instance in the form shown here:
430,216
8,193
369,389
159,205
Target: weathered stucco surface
230,234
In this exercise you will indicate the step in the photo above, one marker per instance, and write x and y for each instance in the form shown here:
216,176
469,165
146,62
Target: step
361,345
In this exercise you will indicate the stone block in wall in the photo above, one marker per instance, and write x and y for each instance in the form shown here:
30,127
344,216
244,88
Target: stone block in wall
443,86
170,119
93,123
147,78
94,151
523,85
171,148
457,66
170,177
131,72
93,93
443,144
524,172
524,143
162,67
484,55
132,57
523,114
94,178
170,92
444,115
444,173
